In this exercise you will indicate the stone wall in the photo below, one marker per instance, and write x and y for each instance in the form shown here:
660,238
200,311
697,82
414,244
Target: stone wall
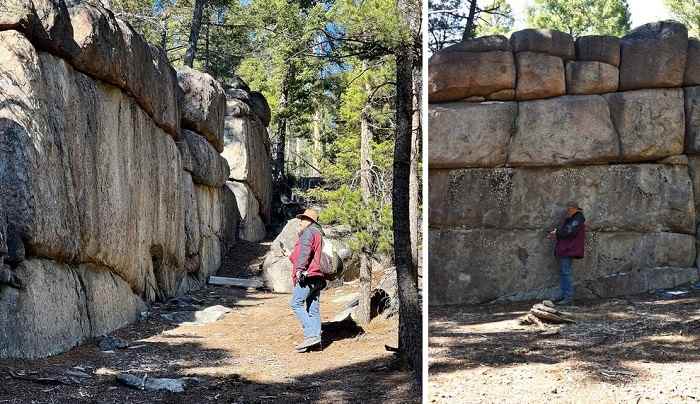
112,190
520,126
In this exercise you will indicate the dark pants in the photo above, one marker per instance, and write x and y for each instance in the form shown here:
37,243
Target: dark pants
566,281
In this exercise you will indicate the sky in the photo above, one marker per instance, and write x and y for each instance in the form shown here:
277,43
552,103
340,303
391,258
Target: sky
643,11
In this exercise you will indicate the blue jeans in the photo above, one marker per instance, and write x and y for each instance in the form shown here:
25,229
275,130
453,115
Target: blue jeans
307,307
566,281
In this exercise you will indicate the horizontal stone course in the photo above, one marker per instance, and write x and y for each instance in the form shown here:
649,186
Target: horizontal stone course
637,198
480,265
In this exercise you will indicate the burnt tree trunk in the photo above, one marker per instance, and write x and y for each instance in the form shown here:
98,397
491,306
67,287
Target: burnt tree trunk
410,319
194,32
470,28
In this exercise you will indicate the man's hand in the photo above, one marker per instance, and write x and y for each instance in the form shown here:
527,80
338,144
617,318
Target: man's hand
301,277
552,234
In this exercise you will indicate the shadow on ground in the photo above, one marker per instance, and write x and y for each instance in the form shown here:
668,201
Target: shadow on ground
608,334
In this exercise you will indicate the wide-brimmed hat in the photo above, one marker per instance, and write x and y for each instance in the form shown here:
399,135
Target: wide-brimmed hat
309,214
573,204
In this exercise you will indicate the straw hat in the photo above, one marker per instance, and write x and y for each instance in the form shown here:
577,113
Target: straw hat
309,214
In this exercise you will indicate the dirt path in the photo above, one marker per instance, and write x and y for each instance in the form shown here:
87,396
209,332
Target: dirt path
246,357
640,350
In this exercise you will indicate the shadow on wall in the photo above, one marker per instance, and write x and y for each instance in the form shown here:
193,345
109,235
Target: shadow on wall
606,339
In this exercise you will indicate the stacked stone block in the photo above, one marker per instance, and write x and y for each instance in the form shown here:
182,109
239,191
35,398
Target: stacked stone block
608,122
112,190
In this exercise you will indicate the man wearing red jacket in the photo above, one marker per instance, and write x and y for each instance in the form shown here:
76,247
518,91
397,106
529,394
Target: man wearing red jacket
307,278
570,238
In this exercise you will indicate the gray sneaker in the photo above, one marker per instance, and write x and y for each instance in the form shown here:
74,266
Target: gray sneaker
567,301
308,343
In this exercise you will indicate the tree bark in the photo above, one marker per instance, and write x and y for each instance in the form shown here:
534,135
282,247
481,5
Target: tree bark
194,32
365,146
278,174
364,309
316,135
410,318
414,184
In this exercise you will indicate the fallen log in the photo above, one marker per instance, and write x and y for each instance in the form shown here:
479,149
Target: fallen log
237,282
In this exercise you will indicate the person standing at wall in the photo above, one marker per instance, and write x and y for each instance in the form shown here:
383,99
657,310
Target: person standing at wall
307,278
570,238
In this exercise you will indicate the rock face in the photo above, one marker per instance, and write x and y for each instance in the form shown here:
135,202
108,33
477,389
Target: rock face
50,194
563,130
493,263
539,76
649,122
692,67
591,78
453,75
61,307
470,134
203,105
692,119
251,227
551,42
598,48
533,198
500,173
653,55
99,213
207,166
247,149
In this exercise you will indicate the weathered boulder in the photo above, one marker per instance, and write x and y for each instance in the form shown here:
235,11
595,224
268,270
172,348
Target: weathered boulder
277,273
481,44
45,22
110,50
650,123
247,150
212,217
251,227
192,231
563,131
259,104
591,78
692,119
61,306
692,65
56,154
636,281
277,269
470,135
235,81
598,48
208,166
539,76
694,172
455,75
653,55
551,42
493,263
660,196
203,105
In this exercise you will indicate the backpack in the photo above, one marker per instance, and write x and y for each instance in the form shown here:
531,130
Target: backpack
328,269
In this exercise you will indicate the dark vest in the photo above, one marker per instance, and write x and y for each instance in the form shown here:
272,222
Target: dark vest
572,247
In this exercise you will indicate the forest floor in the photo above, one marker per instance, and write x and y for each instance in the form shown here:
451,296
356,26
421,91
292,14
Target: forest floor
246,357
641,349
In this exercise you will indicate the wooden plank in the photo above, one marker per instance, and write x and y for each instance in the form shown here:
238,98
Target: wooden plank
238,282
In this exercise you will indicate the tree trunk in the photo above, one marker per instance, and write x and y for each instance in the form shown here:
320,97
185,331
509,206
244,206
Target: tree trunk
164,34
206,47
365,147
410,320
414,188
316,135
364,309
194,32
278,174
470,28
